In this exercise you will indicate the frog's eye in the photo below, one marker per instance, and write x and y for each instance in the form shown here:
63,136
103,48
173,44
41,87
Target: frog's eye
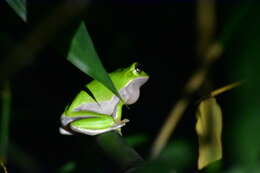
138,68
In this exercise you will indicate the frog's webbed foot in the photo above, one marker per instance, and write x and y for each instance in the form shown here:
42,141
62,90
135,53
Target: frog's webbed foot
89,131
121,123
125,120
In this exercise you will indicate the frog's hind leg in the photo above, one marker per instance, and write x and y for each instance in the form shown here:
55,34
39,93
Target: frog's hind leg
95,126
93,132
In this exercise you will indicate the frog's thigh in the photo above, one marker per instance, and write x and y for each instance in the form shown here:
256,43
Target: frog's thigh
94,125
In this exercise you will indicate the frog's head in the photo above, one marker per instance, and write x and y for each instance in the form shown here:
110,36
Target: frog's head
134,77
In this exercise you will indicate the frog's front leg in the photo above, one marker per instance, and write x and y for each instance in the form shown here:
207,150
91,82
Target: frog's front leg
92,123
117,114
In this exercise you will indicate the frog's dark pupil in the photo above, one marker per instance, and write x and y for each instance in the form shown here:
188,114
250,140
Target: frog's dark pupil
138,68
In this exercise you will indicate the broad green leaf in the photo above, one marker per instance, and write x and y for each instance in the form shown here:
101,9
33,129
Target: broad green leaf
209,128
83,55
19,6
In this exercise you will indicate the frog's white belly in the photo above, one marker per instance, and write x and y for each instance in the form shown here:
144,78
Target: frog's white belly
105,107
129,94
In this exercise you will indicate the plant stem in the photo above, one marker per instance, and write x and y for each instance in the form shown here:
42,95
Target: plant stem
5,95
116,148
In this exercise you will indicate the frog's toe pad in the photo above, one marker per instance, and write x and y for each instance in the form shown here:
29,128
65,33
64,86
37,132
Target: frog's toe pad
64,132
125,120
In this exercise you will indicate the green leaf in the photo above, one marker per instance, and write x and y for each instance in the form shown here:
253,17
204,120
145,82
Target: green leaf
19,6
83,55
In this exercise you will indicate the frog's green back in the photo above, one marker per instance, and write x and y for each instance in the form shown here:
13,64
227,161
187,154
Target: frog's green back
120,78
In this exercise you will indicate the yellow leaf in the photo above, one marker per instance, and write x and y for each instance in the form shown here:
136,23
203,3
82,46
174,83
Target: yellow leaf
209,128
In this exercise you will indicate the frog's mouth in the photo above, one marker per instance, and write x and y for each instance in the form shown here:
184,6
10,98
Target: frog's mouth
131,92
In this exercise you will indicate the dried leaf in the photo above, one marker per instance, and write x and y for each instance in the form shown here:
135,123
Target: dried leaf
209,128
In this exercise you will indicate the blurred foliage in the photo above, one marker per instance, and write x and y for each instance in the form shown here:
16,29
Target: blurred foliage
233,23
136,140
68,167
5,101
2,165
19,6
178,156
245,140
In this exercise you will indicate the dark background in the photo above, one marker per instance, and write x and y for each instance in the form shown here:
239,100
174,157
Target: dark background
162,36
